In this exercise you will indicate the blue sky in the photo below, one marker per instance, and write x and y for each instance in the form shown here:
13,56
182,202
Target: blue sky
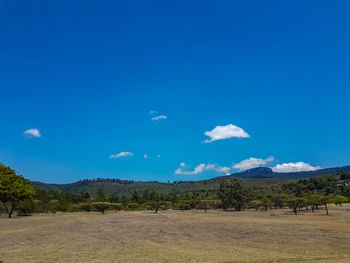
91,75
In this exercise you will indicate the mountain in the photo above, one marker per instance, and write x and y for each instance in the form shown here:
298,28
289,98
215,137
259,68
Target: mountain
260,176
265,172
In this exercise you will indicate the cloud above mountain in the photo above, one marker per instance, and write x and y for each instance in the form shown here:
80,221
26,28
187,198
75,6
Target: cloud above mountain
225,132
183,169
252,163
294,167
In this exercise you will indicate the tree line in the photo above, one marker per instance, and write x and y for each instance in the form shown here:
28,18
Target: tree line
18,195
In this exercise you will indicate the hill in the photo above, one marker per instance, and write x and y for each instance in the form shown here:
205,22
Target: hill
261,176
265,172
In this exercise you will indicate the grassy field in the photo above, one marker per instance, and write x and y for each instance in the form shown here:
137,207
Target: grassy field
178,236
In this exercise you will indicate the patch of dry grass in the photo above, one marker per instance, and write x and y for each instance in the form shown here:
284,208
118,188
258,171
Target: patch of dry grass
181,236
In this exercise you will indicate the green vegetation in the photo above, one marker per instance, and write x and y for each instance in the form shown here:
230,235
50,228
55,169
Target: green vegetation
16,194
13,189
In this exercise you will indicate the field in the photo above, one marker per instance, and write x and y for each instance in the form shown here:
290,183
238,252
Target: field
178,236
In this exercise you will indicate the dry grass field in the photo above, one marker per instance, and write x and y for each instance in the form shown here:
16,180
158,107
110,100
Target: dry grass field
180,236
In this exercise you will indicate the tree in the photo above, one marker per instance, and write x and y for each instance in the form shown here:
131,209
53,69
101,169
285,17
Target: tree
136,197
188,204
315,200
256,204
116,206
133,206
339,200
25,207
101,206
233,194
13,189
266,202
100,195
156,205
295,203
325,200
204,205
114,198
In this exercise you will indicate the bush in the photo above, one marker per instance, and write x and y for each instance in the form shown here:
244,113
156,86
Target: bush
101,206
188,204
25,207
86,207
116,206
133,206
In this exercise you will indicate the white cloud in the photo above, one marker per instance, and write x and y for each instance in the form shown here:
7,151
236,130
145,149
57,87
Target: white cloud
198,169
158,156
201,168
145,156
151,112
294,167
252,163
121,154
223,169
33,132
160,117
225,132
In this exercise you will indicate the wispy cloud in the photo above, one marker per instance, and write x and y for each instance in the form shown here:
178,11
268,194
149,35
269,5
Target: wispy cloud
121,154
225,132
160,117
145,156
294,167
152,112
33,133
252,163
201,168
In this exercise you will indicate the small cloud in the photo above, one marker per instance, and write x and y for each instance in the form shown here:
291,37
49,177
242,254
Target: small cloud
33,133
294,167
225,132
121,154
252,163
160,117
152,112
145,156
158,156
198,169
201,168
224,169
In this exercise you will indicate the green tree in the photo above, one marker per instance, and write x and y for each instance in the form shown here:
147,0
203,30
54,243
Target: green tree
295,203
314,200
325,200
114,198
133,206
14,188
101,206
204,205
116,206
233,194
100,195
136,197
156,205
339,200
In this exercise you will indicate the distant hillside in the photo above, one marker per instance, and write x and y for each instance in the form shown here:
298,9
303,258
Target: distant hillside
126,188
265,172
261,176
